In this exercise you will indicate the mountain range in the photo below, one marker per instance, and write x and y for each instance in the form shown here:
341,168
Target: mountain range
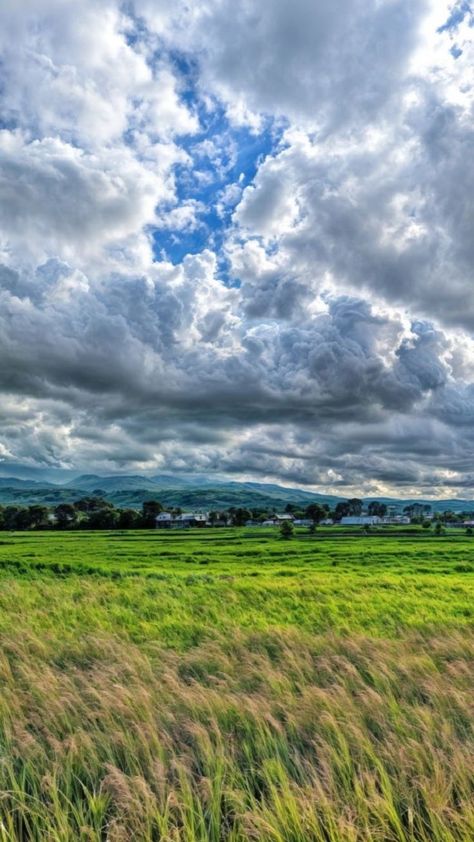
188,492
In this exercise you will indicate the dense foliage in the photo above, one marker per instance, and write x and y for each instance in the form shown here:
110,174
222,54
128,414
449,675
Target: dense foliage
99,513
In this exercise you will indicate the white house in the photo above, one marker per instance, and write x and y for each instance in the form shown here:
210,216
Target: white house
165,520
277,520
195,518
361,520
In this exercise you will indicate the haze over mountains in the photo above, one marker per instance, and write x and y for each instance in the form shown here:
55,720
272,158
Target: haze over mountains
193,492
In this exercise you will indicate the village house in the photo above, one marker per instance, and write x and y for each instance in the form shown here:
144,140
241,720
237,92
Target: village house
361,520
166,520
277,519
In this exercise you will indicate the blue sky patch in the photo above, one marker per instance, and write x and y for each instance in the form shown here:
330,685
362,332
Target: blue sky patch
222,156
458,13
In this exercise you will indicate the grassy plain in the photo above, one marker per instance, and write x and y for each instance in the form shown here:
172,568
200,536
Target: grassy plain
229,685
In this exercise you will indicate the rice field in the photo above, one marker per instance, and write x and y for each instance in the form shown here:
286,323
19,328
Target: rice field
229,685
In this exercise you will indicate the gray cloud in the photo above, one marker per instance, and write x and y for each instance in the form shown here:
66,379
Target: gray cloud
122,384
326,353
396,219
57,198
329,64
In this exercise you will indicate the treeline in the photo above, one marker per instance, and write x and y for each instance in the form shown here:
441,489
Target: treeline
86,513
97,513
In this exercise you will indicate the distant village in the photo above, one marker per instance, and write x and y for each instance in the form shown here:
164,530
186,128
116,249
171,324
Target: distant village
350,513
167,520
98,513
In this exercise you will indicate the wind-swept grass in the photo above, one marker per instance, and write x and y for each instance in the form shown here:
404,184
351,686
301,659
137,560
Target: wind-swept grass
226,706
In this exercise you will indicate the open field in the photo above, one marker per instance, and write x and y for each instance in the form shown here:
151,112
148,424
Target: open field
229,685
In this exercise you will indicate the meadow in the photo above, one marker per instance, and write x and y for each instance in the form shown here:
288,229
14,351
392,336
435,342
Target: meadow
229,685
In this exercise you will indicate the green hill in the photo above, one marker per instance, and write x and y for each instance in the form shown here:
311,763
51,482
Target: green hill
193,492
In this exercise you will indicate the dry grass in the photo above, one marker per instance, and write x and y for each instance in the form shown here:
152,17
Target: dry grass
228,688
273,736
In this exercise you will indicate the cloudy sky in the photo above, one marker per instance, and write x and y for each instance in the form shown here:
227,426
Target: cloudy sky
238,238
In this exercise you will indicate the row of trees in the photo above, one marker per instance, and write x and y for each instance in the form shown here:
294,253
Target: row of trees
87,513
97,513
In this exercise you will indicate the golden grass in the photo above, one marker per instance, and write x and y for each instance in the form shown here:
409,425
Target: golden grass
273,736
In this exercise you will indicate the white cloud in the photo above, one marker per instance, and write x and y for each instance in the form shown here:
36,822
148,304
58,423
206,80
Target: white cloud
320,64
286,370
58,199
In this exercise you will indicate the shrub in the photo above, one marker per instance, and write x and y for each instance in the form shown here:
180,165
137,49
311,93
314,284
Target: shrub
287,529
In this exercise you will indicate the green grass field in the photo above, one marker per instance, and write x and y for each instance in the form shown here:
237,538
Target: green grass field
229,685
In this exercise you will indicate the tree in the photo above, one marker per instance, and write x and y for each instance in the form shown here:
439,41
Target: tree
376,509
417,510
12,517
287,529
38,515
315,512
342,510
218,518
150,509
92,504
66,515
355,506
439,529
105,518
240,516
128,519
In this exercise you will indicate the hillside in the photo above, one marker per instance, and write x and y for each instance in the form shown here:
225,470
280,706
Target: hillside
219,497
198,492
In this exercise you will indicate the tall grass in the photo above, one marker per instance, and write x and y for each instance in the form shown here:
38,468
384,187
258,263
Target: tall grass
284,694
275,736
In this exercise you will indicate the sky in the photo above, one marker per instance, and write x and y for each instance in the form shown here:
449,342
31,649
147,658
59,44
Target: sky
238,239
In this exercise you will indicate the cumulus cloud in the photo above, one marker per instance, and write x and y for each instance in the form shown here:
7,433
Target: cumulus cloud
58,199
329,64
391,213
238,243
131,367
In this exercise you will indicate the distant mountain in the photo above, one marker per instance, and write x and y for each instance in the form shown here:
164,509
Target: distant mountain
187,492
291,495
13,482
118,482
184,481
